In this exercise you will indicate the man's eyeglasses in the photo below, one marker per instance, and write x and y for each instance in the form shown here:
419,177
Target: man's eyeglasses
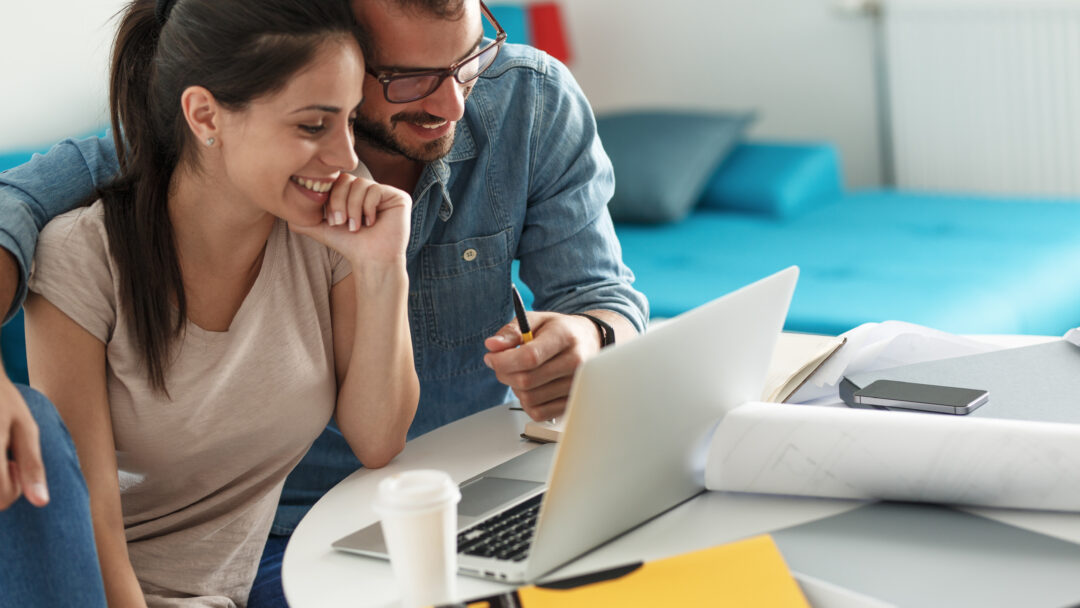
403,87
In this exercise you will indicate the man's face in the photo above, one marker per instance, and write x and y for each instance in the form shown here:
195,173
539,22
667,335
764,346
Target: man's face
413,40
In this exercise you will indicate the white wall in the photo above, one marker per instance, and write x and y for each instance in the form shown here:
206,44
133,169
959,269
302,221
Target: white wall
55,57
806,69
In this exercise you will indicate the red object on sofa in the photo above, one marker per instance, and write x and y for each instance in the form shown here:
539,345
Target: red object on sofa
546,30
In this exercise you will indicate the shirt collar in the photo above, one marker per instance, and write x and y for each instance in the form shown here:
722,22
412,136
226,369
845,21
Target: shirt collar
464,144
438,171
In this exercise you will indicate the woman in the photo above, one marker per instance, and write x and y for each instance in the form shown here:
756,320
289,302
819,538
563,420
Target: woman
198,325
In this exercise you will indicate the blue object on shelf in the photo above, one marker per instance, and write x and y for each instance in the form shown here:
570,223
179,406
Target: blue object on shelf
514,20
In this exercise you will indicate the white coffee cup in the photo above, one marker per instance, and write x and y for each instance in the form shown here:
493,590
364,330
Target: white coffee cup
419,521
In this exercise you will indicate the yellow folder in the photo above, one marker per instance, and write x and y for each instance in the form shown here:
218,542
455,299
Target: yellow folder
749,572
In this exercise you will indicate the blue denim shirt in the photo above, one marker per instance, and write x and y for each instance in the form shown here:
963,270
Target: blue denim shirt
527,179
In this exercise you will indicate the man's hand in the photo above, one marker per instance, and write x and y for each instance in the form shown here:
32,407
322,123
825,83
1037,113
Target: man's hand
18,431
540,372
19,438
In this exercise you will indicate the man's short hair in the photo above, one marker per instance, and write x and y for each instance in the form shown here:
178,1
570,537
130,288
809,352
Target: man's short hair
451,10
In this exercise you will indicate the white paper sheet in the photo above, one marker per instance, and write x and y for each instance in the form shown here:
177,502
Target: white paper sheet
874,346
842,452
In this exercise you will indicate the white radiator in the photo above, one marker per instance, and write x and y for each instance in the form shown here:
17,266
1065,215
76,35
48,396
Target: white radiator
984,95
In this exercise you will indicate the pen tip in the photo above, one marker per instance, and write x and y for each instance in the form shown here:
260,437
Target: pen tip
519,310
519,305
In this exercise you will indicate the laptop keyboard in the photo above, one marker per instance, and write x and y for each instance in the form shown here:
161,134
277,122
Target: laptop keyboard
506,536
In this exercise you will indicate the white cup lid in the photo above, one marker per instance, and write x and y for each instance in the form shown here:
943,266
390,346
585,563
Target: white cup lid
414,490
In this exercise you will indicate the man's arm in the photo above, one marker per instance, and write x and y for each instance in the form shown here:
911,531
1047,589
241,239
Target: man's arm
569,252
39,190
18,431
570,257
31,195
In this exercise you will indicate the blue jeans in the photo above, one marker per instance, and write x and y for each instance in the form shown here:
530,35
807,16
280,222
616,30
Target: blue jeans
47,555
327,462
266,591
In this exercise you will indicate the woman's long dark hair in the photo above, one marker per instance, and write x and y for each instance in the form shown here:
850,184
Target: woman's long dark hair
239,50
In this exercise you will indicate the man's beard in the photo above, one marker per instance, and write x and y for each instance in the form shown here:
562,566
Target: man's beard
380,136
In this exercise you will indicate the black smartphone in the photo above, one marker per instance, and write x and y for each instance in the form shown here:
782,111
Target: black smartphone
893,394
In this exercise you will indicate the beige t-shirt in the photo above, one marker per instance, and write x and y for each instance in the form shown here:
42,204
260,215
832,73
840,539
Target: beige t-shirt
200,475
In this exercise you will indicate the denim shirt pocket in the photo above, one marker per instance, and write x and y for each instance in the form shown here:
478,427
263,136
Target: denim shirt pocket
465,288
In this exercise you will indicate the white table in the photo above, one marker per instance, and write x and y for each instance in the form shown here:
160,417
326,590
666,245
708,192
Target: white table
315,575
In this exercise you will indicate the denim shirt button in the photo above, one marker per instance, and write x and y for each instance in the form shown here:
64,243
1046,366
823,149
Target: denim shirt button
469,255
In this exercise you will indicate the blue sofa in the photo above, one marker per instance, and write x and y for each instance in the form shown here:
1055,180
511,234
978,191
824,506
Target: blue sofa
963,264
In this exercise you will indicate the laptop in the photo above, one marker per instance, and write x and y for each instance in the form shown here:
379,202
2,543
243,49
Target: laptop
637,425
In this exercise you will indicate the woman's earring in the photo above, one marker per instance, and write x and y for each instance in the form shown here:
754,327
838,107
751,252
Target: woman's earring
210,141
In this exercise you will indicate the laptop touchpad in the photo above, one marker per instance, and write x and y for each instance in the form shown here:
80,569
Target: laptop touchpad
487,493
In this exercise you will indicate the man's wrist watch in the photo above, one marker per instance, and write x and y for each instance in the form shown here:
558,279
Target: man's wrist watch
607,333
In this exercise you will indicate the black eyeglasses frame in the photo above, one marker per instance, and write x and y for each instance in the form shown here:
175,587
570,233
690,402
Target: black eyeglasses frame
387,78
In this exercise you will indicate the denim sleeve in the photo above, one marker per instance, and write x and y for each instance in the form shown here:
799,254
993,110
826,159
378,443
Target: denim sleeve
570,256
46,186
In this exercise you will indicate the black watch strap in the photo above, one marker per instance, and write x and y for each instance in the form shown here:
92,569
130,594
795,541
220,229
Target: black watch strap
607,333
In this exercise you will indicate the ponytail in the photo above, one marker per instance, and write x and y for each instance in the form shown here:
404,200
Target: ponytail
136,204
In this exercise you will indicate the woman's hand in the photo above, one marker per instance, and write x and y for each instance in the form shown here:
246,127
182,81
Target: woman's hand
367,222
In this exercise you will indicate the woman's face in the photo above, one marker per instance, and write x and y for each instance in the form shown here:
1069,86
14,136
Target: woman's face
284,151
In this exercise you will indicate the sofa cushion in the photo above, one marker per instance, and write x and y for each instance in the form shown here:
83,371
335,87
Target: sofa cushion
663,160
961,264
777,180
13,349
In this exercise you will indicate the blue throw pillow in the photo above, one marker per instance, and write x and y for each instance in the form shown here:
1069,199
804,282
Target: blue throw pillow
779,180
663,159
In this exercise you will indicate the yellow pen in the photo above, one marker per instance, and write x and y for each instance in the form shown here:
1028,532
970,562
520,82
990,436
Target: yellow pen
523,321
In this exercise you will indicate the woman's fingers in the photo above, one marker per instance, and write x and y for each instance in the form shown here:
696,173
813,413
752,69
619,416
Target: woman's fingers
337,207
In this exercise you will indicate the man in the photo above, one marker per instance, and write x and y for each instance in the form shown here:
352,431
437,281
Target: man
503,163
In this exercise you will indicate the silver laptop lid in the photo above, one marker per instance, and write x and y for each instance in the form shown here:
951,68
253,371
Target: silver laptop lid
639,416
